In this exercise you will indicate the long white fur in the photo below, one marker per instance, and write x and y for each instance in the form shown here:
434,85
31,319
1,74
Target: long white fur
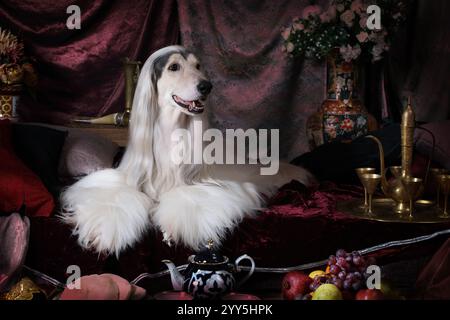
111,209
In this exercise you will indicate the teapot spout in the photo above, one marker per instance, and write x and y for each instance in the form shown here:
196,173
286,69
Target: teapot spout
175,276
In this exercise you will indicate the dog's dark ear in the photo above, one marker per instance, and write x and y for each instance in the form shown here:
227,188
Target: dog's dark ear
158,66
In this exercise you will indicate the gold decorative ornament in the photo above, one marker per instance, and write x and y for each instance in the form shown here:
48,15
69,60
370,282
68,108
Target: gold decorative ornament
25,289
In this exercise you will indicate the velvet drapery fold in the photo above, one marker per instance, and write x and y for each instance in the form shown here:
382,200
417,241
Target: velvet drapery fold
256,84
81,71
259,86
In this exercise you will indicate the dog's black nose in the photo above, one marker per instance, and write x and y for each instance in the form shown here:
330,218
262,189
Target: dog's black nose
204,87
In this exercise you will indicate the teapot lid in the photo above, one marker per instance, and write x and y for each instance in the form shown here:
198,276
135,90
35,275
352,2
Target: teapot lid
208,256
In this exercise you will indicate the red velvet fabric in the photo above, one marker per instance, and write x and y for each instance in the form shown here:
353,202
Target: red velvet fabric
80,71
434,280
299,226
18,184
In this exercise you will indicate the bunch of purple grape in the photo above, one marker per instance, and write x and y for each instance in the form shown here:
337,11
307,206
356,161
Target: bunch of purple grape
347,271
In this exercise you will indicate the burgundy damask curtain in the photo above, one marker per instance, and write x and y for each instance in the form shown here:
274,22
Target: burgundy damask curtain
80,71
256,85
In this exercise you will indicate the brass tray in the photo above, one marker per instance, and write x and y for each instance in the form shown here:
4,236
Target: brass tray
383,210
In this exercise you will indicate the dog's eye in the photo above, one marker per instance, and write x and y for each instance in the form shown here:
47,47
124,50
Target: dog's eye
198,66
174,67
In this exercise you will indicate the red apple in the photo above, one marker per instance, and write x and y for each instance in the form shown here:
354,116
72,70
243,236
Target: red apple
295,283
369,294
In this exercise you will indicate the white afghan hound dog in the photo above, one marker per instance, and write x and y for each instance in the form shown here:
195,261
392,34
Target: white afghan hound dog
111,209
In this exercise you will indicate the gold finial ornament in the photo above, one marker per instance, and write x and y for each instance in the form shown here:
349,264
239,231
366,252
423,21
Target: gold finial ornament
407,138
210,244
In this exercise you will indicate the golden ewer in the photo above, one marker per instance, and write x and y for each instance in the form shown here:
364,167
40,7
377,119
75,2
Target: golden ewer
396,188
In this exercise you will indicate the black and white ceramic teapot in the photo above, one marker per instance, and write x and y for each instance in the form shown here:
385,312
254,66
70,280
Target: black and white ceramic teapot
209,274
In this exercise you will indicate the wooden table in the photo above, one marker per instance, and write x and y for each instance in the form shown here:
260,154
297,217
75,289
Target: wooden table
114,133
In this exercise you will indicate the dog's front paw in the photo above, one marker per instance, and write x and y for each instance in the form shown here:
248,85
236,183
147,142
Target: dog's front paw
167,239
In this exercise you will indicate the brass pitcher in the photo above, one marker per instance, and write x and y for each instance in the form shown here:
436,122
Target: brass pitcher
394,189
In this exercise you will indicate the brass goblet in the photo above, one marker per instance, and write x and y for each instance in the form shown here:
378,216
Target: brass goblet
370,182
360,172
396,171
435,172
444,182
412,186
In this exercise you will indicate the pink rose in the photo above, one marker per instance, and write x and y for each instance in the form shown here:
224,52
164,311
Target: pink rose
328,15
363,22
298,26
311,11
286,33
357,6
362,36
347,17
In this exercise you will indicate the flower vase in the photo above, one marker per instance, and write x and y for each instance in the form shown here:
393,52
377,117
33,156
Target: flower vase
342,115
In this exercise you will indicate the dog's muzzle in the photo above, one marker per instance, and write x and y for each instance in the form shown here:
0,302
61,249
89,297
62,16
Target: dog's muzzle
194,106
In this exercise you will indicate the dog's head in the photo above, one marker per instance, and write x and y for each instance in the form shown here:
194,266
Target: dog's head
180,81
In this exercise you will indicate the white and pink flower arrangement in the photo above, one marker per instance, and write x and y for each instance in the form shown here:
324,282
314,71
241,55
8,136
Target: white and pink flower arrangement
343,25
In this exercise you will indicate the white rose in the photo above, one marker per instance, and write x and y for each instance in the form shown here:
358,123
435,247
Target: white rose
290,47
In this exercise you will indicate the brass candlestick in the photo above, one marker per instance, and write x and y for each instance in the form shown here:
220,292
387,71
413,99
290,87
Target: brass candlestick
131,72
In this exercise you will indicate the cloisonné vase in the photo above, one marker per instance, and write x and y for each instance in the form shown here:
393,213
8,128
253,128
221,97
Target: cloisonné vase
342,115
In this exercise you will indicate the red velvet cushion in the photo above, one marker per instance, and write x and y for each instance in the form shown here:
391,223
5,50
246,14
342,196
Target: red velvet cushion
18,184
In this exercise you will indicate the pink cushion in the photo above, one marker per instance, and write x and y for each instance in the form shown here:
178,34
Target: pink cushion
84,153
104,287
14,234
